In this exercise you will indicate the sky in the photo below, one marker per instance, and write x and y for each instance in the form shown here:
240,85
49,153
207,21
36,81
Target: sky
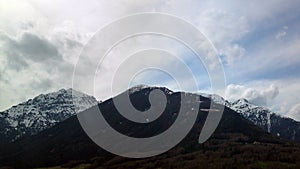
257,42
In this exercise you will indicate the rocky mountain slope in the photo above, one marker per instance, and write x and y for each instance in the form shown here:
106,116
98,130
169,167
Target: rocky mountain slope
263,117
41,112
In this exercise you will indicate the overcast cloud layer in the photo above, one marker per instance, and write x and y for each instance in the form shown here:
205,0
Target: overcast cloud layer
258,42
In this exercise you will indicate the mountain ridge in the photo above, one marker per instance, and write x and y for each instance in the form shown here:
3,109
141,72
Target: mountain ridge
271,122
41,112
274,123
67,141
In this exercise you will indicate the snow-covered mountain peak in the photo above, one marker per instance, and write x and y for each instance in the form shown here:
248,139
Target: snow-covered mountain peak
243,105
263,117
260,116
43,111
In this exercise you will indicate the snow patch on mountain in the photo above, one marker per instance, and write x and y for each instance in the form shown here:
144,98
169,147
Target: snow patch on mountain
260,116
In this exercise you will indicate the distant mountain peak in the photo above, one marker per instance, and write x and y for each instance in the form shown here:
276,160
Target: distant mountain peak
264,118
42,111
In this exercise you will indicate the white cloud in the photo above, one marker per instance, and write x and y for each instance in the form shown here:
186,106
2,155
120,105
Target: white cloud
256,95
232,53
31,65
294,112
281,96
121,56
30,46
280,34
223,29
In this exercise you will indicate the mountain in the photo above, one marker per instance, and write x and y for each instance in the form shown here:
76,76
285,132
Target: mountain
275,124
263,117
237,143
46,110
260,116
41,112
